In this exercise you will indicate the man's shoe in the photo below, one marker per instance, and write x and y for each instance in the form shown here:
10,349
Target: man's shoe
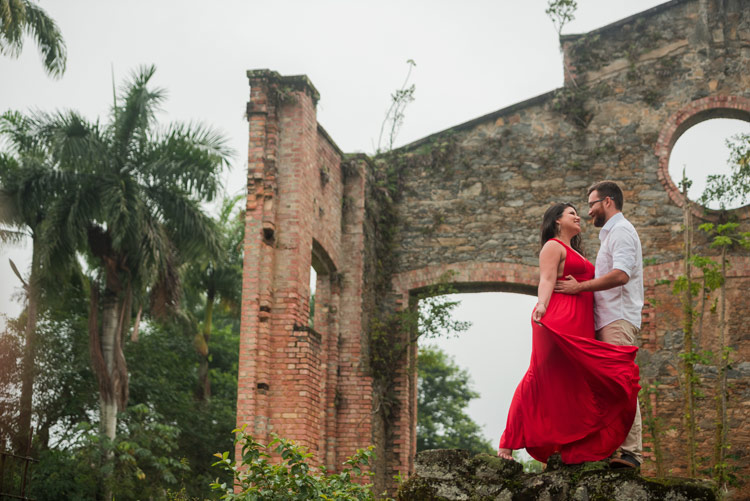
624,461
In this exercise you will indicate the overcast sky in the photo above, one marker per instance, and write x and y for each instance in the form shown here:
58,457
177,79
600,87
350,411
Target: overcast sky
473,57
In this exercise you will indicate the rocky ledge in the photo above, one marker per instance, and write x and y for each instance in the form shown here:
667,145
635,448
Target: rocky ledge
456,475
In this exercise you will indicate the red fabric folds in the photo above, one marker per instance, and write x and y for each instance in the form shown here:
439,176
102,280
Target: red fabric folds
579,395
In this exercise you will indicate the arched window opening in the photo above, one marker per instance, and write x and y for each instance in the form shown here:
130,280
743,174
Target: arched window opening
702,151
322,270
494,351
313,288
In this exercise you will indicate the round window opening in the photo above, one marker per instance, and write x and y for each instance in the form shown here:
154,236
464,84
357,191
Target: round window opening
706,149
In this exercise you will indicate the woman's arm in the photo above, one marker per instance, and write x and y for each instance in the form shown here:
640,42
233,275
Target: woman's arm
549,261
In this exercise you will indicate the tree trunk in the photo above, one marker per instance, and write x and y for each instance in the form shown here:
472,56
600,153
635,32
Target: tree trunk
109,366
27,378
721,383
204,382
688,312
109,346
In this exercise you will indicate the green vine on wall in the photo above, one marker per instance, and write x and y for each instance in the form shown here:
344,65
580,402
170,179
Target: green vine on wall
652,423
393,329
571,103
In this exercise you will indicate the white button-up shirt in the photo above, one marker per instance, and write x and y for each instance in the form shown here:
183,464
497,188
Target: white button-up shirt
620,250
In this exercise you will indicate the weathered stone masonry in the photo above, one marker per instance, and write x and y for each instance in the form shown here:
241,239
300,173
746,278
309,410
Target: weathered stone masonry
470,200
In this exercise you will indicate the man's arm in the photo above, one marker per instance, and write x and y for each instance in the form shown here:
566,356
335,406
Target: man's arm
613,279
624,254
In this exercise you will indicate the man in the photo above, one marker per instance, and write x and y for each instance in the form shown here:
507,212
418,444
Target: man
618,291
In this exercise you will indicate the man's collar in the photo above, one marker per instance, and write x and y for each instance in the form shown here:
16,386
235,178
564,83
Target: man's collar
610,224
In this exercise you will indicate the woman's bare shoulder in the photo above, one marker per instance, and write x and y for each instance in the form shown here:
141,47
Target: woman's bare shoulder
553,247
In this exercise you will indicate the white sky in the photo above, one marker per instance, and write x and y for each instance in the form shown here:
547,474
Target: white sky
473,57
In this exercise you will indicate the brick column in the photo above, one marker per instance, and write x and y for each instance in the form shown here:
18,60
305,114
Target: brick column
295,350
354,384
280,359
260,225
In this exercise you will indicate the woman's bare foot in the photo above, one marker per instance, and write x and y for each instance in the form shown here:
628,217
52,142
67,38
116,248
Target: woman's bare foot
505,454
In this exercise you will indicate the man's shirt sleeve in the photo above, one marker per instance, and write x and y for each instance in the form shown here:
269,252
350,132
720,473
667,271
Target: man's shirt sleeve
624,250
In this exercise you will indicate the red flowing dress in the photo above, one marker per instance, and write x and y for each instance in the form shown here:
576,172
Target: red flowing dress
579,395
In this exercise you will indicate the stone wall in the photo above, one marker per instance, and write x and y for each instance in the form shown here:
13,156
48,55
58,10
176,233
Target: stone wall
473,196
470,200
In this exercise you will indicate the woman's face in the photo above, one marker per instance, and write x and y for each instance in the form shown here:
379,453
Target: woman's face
569,222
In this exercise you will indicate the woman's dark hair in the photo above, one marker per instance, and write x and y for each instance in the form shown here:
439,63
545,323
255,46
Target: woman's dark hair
549,226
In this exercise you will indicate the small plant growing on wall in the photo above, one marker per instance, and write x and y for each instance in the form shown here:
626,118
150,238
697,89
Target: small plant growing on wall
394,117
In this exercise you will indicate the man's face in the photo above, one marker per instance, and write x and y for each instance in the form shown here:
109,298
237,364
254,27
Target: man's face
596,209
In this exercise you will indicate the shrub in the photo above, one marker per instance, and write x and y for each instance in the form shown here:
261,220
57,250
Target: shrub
259,478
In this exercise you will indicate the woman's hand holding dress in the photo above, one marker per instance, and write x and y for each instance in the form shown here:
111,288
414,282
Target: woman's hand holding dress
539,312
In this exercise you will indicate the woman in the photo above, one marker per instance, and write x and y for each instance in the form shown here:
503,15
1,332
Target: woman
579,395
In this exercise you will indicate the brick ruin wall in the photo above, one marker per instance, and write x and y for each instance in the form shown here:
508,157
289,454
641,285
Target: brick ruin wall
296,380
470,199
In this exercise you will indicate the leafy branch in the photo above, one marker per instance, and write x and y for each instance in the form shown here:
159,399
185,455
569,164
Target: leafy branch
258,477
561,12
733,188
394,117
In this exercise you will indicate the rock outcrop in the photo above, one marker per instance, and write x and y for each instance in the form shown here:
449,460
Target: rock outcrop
455,475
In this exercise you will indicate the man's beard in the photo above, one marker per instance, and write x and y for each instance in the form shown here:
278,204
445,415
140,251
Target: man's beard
599,220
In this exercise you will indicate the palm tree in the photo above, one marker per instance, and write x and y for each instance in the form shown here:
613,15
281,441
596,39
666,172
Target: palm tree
27,189
130,204
216,277
19,18
21,213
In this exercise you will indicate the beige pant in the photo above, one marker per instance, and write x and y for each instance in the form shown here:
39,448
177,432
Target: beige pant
623,333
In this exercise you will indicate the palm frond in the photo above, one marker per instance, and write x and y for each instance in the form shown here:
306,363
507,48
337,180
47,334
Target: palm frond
135,116
21,17
73,141
16,133
166,292
12,236
48,38
64,229
121,208
227,208
154,251
189,156
192,231
9,168
228,284
25,192
12,20
28,186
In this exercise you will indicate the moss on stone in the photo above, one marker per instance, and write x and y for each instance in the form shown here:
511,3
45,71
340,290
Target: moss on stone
451,474
417,489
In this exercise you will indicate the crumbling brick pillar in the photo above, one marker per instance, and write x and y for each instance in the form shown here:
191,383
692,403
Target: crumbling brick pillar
301,379
280,358
354,390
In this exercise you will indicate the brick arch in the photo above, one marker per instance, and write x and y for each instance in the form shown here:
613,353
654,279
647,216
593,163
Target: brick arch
466,276
469,277
698,111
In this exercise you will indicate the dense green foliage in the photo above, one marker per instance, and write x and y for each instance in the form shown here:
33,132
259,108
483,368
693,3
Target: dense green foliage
125,263
258,477
165,439
443,392
733,188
